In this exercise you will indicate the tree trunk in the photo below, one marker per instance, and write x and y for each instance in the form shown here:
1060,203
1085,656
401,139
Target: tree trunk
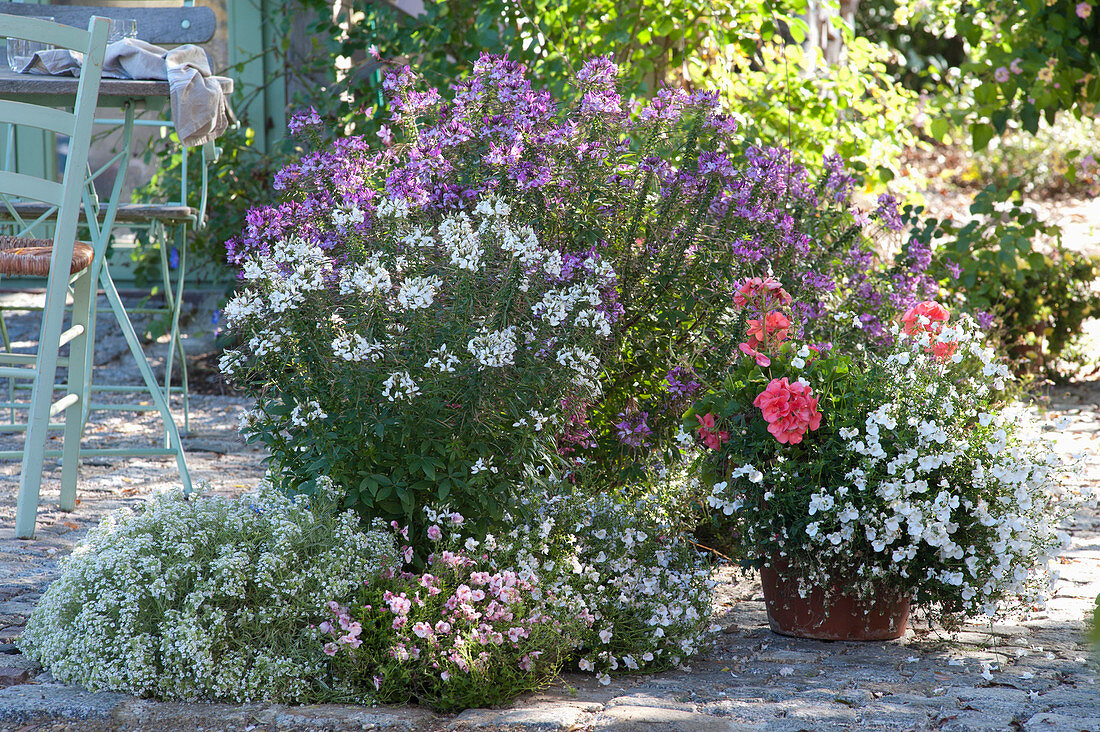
822,33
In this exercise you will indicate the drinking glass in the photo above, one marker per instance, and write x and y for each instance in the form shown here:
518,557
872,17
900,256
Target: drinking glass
122,28
20,51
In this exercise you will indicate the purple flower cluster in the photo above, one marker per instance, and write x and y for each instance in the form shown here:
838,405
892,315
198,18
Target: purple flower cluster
681,382
887,212
632,429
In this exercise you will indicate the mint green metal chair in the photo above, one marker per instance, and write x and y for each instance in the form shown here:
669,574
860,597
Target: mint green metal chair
62,260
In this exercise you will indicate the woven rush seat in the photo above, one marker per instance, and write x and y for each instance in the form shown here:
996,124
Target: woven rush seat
28,257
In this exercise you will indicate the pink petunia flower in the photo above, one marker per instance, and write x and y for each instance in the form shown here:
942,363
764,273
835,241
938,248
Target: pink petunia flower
1084,10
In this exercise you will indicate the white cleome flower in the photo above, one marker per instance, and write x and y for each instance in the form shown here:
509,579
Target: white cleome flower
399,386
494,348
458,237
418,292
443,360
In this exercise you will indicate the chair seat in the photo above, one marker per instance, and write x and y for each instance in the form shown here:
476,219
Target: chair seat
31,257
127,212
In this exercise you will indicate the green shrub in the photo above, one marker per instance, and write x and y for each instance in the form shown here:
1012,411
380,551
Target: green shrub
1053,161
1009,268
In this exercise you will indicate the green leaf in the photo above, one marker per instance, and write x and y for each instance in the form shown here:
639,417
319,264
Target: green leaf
981,134
939,128
1029,118
798,29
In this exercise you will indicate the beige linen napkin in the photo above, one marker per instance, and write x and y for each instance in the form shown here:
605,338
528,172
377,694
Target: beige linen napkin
199,108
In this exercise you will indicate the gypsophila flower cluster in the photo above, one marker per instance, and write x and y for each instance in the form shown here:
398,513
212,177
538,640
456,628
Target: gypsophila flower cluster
205,598
920,480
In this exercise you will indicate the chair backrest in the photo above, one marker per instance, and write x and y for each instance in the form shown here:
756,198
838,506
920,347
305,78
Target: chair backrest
159,25
77,124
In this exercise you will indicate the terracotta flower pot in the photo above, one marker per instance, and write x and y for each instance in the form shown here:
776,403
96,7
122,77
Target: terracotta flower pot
843,618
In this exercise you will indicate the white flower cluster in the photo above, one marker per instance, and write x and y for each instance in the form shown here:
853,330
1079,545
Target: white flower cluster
538,420
621,567
457,235
584,364
312,412
391,315
583,299
416,293
345,216
366,279
203,598
494,348
399,386
720,499
442,360
392,208
354,347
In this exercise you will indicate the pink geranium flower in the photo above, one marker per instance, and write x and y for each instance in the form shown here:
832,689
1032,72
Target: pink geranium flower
943,350
930,317
761,359
774,325
927,316
711,436
766,288
789,409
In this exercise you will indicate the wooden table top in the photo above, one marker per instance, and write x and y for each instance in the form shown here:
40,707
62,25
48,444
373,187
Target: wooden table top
13,83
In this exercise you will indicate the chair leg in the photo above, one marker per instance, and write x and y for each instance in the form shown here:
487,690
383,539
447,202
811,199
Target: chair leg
38,420
177,303
89,353
77,384
151,383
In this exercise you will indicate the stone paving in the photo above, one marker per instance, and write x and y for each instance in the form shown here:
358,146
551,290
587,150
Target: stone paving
1028,673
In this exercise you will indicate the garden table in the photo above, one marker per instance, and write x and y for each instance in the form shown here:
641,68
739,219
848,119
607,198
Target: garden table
128,95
